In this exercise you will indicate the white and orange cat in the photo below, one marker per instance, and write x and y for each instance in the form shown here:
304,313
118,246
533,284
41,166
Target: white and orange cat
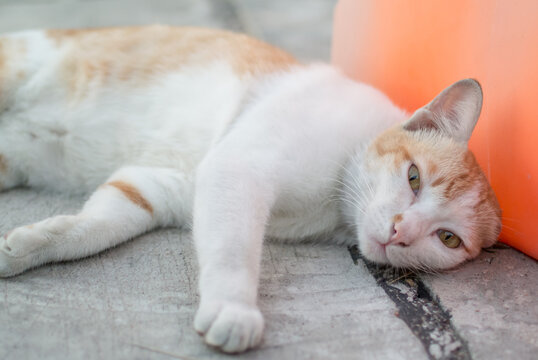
234,138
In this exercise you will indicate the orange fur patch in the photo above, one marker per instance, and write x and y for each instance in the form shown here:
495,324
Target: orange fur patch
432,168
488,209
136,54
397,218
467,176
438,182
462,178
393,144
12,53
132,194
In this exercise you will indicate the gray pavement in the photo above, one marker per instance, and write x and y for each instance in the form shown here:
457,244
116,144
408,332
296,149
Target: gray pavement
137,301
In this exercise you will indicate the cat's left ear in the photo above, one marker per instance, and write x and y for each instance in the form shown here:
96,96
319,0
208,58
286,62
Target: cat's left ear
454,112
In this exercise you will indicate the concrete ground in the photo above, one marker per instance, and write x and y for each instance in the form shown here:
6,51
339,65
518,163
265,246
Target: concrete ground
137,301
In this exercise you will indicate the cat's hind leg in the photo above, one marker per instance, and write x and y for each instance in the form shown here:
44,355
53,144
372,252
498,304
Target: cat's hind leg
133,201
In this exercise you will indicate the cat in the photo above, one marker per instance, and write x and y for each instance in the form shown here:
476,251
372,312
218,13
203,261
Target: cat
235,139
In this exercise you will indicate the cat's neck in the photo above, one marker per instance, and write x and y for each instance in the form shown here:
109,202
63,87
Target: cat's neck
357,113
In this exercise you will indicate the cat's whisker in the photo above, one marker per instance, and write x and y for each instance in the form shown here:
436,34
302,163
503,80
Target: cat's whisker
353,201
365,180
357,195
512,220
350,202
357,181
504,226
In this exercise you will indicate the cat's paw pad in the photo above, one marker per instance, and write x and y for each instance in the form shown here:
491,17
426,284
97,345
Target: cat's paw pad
230,327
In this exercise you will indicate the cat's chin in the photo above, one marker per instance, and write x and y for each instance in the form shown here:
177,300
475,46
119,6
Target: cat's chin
373,251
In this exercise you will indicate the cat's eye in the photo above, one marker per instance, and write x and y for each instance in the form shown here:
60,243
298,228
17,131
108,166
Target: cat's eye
449,239
414,178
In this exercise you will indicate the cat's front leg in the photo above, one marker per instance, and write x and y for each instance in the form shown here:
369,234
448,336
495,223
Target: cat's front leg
233,198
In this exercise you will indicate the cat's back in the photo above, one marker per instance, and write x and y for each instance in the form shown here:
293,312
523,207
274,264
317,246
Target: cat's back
137,55
129,94
81,67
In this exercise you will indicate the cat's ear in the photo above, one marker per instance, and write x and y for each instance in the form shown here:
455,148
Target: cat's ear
454,112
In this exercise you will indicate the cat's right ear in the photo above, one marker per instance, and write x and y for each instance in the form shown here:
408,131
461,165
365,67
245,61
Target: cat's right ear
454,112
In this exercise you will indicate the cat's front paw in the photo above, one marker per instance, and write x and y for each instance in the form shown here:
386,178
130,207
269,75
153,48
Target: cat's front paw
230,327
12,261
17,250
32,245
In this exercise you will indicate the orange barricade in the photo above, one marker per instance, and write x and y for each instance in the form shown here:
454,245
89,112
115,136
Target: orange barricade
412,49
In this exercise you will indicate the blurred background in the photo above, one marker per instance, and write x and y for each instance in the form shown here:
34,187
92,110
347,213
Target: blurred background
303,27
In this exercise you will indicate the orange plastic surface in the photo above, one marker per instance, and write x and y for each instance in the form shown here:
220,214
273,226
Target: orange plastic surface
412,49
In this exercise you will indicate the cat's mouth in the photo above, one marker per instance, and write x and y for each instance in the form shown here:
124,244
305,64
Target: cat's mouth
378,252
373,248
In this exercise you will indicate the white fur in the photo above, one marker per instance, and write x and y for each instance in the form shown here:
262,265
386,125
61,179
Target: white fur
240,158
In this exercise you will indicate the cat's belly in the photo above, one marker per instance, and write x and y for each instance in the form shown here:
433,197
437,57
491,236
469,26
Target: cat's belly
170,123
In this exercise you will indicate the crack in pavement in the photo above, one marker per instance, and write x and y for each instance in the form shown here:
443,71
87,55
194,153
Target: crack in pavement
419,309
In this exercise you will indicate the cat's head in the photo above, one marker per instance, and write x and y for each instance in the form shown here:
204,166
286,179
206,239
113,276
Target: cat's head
424,201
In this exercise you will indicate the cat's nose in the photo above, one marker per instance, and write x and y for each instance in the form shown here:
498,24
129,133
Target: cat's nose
397,237
394,234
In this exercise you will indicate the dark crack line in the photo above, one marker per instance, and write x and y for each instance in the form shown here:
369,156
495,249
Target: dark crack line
419,309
